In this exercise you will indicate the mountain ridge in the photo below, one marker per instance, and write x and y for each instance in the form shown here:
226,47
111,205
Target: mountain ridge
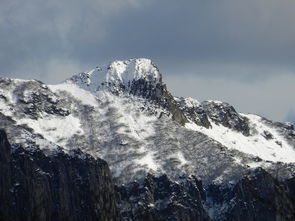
130,119
41,104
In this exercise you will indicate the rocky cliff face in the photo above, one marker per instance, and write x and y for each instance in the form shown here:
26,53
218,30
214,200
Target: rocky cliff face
257,196
226,115
160,199
34,186
159,94
261,197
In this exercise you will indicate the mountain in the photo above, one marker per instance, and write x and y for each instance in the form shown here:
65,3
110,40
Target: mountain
170,157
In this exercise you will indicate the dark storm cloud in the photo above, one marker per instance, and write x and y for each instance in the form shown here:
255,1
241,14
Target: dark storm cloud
244,41
38,35
88,31
240,31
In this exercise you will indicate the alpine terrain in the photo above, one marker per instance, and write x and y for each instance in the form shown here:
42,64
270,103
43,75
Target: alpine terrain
113,143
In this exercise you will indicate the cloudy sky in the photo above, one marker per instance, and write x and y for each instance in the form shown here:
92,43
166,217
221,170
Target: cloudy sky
238,51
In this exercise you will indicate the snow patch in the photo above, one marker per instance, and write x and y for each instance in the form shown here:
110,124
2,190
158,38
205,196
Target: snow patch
276,150
181,158
55,129
84,96
148,161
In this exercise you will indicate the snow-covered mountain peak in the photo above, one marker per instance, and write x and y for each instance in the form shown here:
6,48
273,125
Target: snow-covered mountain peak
119,74
135,77
133,69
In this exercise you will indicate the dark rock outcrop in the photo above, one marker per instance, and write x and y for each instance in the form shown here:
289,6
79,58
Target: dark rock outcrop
161,199
158,93
35,97
5,175
60,186
261,197
290,183
256,197
195,113
225,114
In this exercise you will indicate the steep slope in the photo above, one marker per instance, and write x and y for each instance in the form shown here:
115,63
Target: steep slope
248,133
160,199
257,196
34,186
139,77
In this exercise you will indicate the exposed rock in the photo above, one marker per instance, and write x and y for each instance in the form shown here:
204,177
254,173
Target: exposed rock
256,197
5,178
261,197
194,111
34,186
158,93
35,98
267,135
161,199
291,188
225,114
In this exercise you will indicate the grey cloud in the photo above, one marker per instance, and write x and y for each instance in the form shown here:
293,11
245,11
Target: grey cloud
272,97
34,33
168,31
208,30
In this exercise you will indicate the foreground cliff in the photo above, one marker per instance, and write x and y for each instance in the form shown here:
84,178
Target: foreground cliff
56,187
75,186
